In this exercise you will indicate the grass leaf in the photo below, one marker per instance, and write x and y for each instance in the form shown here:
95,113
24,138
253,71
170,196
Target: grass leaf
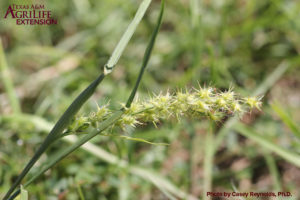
287,120
262,141
7,82
126,37
23,195
147,54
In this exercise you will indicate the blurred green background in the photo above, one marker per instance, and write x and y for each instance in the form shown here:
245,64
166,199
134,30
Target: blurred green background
232,43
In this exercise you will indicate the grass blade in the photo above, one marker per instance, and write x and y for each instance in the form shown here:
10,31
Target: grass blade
287,120
23,194
160,182
271,163
147,54
272,78
126,37
208,161
80,192
7,82
262,141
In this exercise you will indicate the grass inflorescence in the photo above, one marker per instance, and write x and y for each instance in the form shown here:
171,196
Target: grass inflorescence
195,104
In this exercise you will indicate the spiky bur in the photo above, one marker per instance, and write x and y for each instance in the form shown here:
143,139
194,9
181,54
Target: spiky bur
194,104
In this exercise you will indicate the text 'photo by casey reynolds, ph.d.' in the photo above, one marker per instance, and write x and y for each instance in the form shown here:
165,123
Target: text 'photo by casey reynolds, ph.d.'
231,195
31,14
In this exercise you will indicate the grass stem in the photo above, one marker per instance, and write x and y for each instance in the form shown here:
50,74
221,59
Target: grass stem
208,161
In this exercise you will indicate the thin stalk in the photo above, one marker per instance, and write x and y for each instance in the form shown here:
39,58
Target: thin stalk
191,131
271,163
196,41
7,82
197,34
191,160
80,192
208,161
147,54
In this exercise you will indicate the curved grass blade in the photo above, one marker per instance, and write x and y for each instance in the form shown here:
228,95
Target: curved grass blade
58,157
65,119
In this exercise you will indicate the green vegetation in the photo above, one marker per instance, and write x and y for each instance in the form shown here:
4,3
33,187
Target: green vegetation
250,48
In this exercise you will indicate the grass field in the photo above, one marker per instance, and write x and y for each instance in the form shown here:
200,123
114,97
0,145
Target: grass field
251,47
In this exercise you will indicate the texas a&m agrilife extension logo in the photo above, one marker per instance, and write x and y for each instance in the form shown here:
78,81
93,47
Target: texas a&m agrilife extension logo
34,14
